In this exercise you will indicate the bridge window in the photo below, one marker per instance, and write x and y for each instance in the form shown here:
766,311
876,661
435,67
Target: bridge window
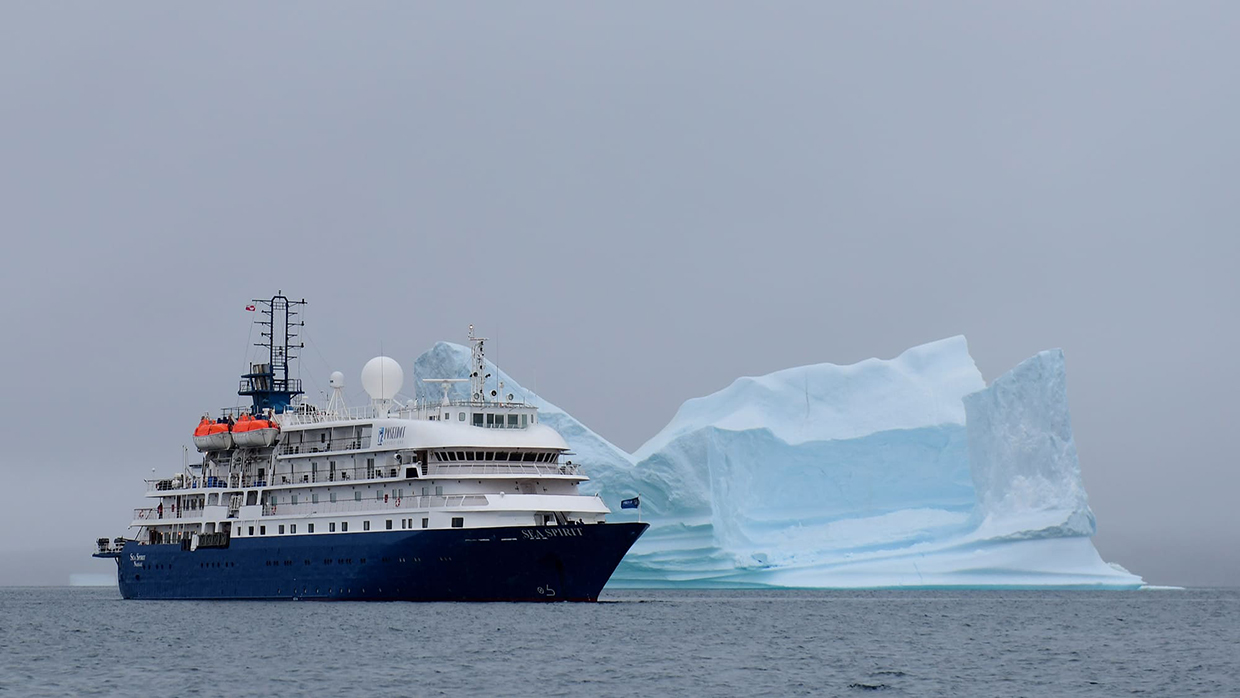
512,421
477,419
523,422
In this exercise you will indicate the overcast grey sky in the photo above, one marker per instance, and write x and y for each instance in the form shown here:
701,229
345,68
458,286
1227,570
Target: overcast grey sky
640,201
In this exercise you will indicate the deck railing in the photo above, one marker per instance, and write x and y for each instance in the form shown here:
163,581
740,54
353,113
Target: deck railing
452,470
391,504
169,515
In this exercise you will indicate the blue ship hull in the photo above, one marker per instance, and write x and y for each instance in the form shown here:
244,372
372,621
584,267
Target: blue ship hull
538,563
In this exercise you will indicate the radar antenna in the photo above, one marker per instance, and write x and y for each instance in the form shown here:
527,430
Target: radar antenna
446,385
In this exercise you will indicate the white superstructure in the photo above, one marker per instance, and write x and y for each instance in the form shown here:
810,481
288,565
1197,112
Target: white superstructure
391,465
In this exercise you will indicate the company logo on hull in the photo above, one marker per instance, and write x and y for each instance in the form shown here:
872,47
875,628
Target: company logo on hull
390,434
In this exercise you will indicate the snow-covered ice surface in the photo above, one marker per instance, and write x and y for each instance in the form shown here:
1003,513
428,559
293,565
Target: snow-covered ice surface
885,473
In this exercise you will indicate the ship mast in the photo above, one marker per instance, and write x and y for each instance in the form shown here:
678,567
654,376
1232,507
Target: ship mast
477,374
268,384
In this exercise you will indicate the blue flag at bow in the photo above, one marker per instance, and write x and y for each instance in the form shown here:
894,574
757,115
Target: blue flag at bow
630,503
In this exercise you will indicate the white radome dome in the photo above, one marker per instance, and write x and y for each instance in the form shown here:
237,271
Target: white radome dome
336,380
382,378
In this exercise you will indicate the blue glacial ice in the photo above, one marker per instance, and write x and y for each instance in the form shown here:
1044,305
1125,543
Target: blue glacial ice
886,473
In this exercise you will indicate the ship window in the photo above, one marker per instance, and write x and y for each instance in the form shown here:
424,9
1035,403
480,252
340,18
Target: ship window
389,524
461,417
438,490
512,421
344,526
366,525
529,456
310,528
426,523
523,422
489,455
378,495
438,456
332,496
451,456
251,530
314,499
400,493
331,527
357,495
460,455
426,491
490,420
292,528
501,455
402,524
477,419
281,529
292,499
445,416
262,530
458,522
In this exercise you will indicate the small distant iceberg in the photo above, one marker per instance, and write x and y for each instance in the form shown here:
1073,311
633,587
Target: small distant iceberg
908,472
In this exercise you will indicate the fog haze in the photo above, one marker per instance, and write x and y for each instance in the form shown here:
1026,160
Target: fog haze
638,203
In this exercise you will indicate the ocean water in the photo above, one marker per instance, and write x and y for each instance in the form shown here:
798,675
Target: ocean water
88,641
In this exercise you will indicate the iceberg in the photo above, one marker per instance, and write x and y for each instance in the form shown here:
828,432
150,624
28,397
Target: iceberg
908,472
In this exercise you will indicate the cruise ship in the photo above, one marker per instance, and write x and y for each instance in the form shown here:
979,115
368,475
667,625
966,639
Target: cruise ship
436,499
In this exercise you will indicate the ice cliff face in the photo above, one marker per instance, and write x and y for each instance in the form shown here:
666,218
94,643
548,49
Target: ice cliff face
906,472
1025,471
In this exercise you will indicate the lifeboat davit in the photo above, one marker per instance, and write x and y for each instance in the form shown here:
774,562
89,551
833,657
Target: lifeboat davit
212,436
250,432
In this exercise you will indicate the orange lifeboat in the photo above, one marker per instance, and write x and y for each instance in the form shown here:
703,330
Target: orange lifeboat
253,432
212,436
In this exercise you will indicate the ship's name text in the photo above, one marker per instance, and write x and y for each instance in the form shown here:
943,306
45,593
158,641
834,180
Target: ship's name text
545,533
